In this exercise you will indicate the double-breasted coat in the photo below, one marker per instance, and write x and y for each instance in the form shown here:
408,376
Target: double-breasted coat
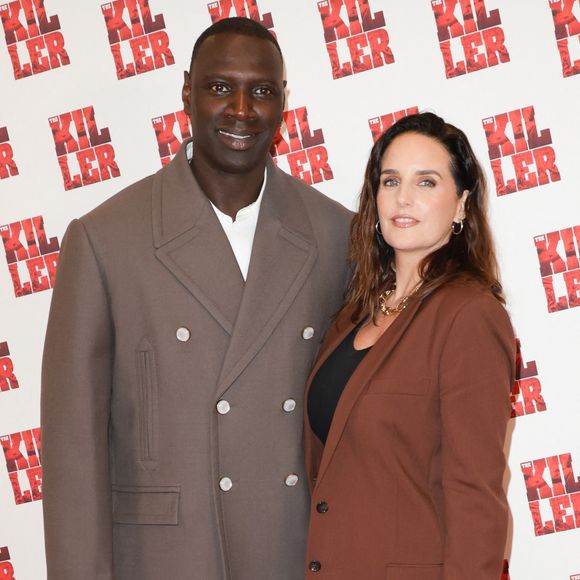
172,390
409,483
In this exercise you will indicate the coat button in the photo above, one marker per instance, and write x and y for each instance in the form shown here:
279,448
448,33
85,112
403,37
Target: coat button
315,566
291,480
321,507
223,407
226,484
289,405
307,332
182,334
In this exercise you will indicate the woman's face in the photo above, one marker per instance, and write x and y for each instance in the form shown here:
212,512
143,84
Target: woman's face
417,197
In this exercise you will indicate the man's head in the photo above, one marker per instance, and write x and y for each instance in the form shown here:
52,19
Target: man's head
234,94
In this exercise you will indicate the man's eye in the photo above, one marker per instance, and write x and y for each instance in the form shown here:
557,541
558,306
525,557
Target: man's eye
263,91
218,88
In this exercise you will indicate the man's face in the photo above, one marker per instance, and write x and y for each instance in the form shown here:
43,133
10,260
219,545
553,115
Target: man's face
235,97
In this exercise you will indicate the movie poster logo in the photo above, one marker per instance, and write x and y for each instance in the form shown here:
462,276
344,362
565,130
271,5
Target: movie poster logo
526,396
299,150
171,131
32,257
7,164
505,573
244,8
356,38
558,254
472,42
35,43
521,155
567,30
138,40
85,153
8,380
378,125
575,577
22,453
553,492
6,568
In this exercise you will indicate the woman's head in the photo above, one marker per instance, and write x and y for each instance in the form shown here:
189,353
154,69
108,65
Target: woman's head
422,179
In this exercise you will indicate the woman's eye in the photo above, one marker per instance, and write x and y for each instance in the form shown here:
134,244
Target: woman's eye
390,182
427,183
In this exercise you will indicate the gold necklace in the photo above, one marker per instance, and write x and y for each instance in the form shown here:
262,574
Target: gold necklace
401,305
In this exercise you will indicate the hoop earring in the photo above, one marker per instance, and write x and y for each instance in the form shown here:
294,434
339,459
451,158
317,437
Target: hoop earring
378,228
454,229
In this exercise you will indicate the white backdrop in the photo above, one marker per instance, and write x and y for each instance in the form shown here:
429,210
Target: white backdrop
65,111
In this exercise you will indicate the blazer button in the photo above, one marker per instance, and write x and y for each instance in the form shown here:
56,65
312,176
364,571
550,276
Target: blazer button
226,484
291,480
289,405
223,407
315,566
307,332
321,507
182,334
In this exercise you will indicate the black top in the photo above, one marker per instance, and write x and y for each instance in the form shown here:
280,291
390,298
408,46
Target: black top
329,382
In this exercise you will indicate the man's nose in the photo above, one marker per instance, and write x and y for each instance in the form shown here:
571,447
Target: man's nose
241,105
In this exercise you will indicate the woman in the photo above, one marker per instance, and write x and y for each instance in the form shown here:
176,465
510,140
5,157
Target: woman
407,405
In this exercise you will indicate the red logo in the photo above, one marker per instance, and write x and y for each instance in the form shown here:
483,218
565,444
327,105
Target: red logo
6,568
558,253
167,141
575,577
521,155
567,27
7,165
245,8
378,125
553,497
358,45
35,43
505,574
87,148
478,37
526,396
139,44
301,150
32,267
8,379
23,460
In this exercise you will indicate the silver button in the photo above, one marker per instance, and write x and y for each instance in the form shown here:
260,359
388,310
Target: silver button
308,332
226,484
223,407
291,480
289,405
182,334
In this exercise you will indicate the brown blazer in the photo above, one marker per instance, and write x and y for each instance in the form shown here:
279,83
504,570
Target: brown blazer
164,373
409,484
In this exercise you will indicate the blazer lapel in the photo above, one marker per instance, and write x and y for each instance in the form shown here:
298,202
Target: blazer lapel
360,378
283,255
191,244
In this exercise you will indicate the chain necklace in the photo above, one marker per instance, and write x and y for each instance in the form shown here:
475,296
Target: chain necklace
401,305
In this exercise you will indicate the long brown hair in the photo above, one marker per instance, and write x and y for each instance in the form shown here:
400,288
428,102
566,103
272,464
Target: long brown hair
467,258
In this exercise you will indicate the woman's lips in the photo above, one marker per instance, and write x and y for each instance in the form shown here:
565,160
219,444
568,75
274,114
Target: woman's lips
404,221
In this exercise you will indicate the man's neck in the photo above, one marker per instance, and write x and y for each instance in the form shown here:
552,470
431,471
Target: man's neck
229,192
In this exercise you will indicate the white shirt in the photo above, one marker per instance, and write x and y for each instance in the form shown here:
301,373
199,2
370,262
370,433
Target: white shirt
240,232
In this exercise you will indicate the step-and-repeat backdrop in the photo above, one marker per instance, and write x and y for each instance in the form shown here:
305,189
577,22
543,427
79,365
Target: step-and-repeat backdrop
90,102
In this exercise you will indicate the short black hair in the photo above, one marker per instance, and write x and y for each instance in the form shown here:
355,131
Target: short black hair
235,25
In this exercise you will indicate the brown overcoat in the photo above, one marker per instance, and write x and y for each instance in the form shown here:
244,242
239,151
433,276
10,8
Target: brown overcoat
409,483
172,390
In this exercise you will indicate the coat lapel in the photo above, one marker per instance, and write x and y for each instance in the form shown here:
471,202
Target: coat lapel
360,378
191,244
283,255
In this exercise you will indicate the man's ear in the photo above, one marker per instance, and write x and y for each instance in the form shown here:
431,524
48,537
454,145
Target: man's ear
186,92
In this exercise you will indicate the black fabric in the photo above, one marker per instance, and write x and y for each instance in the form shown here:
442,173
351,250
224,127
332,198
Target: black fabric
329,382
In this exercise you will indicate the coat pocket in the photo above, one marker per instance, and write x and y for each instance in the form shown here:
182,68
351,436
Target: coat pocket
148,411
146,504
414,572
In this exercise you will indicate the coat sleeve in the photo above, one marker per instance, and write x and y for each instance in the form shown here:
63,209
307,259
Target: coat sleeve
476,374
75,402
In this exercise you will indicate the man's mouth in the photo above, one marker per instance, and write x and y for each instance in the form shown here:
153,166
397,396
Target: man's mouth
238,141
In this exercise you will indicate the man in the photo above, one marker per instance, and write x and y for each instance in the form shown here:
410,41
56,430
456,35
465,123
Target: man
180,337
